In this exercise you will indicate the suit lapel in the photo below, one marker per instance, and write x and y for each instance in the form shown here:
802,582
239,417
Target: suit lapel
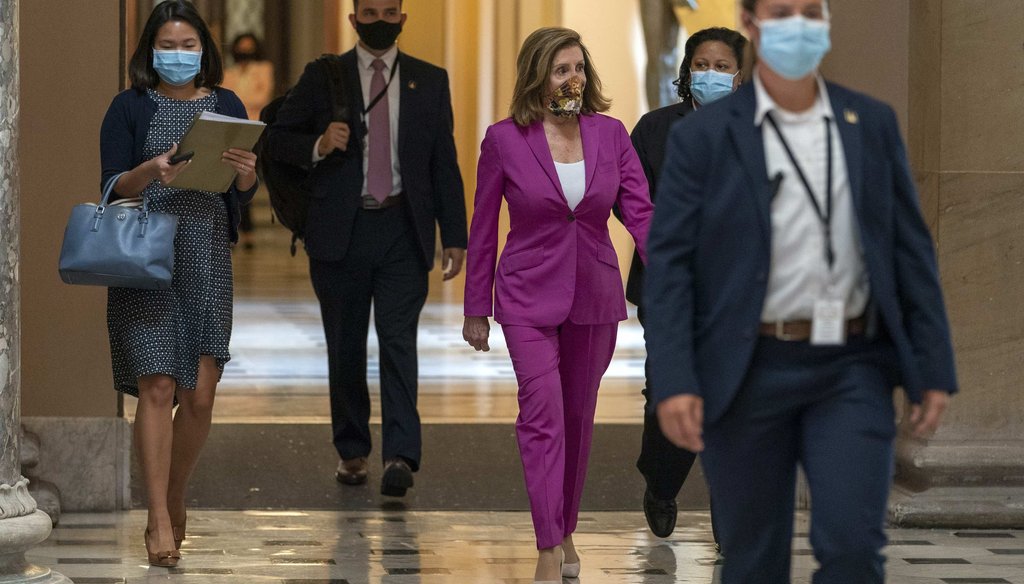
354,87
538,143
750,146
848,122
591,136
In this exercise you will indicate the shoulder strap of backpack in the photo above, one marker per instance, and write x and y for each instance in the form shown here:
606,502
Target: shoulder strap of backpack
331,65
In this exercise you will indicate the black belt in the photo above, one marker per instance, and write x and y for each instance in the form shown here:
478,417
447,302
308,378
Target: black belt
371,204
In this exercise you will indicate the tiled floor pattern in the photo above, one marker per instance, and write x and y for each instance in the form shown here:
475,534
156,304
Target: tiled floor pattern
298,547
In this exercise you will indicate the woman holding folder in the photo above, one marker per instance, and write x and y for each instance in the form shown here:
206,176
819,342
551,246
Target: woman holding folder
171,345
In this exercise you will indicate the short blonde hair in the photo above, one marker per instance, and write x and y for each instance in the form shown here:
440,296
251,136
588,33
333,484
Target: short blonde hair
533,70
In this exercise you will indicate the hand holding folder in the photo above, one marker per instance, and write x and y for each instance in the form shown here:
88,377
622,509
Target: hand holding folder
209,136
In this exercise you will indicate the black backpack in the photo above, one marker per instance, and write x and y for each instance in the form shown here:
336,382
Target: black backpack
288,185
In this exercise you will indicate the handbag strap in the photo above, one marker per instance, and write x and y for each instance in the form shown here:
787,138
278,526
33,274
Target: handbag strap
109,188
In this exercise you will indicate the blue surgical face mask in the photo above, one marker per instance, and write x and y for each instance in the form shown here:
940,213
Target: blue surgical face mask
709,86
794,47
177,67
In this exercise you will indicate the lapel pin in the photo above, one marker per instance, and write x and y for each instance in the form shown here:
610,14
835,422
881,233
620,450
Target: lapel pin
412,85
851,117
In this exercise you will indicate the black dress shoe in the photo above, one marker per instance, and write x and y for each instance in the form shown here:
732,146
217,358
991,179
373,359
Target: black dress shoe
351,472
661,515
397,478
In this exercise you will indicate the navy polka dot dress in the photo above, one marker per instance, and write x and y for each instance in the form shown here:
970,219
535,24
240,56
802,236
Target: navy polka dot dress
166,331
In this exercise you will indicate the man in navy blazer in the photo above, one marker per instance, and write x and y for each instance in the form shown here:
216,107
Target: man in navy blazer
384,176
791,285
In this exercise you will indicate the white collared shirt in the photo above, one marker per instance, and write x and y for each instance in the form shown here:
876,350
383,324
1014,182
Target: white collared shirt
365,62
799,272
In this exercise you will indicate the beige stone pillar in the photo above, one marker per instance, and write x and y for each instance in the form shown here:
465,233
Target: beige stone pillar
22,525
966,137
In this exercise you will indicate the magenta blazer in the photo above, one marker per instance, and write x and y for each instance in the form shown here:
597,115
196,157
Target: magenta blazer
557,264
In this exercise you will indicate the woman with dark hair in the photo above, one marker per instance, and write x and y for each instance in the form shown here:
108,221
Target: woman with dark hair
171,345
711,69
252,79
557,293
712,66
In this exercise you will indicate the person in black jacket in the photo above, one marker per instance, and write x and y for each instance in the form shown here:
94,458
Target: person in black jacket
384,175
171,346
711,69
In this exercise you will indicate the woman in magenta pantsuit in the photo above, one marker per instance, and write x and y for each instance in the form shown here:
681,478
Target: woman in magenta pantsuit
557,291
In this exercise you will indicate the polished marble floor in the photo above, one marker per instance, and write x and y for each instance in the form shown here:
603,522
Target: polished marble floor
297,547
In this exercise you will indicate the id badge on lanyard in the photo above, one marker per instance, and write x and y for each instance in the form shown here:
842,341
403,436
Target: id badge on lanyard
828,325
828,321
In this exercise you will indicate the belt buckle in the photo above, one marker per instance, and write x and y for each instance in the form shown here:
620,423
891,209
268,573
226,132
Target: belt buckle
780,332
371,204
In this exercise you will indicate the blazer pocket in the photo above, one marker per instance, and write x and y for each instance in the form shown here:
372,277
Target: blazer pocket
521,260
607,255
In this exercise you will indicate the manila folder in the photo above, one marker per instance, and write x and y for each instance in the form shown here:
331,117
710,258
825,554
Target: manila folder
209,136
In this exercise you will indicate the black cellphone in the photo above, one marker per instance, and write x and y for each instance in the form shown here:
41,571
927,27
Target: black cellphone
182,157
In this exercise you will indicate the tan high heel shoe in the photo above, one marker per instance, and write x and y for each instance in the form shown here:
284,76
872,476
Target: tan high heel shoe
160,559
179,534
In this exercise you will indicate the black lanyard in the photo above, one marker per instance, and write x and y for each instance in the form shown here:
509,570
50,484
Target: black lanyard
380,96
824,216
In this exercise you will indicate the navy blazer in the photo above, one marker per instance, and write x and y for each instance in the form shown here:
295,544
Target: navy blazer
123,138
434,193
710,250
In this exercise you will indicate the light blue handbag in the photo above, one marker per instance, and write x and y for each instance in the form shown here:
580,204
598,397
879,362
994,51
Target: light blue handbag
122,244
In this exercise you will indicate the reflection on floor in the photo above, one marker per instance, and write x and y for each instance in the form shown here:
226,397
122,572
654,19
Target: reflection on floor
297,547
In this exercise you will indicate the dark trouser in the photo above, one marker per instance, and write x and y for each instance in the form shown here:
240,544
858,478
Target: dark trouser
830,410
382,265
664,465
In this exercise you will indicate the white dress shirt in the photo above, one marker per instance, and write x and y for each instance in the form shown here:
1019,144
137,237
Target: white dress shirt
365,62
573,177
799,273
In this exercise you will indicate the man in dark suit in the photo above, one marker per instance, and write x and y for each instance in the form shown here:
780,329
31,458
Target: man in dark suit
792,284
384,174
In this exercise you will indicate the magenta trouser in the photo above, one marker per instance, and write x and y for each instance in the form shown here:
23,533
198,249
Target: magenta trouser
559,371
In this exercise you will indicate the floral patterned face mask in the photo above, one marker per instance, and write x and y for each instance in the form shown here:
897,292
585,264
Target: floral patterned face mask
567,100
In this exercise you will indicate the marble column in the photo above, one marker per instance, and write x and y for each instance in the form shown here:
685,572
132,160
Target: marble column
22,525
966,140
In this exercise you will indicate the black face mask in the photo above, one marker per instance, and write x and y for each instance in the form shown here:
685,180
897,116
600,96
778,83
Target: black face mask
243,57
380,34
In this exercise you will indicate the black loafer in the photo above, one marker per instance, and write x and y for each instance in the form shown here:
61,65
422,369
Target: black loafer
661,515
397,478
